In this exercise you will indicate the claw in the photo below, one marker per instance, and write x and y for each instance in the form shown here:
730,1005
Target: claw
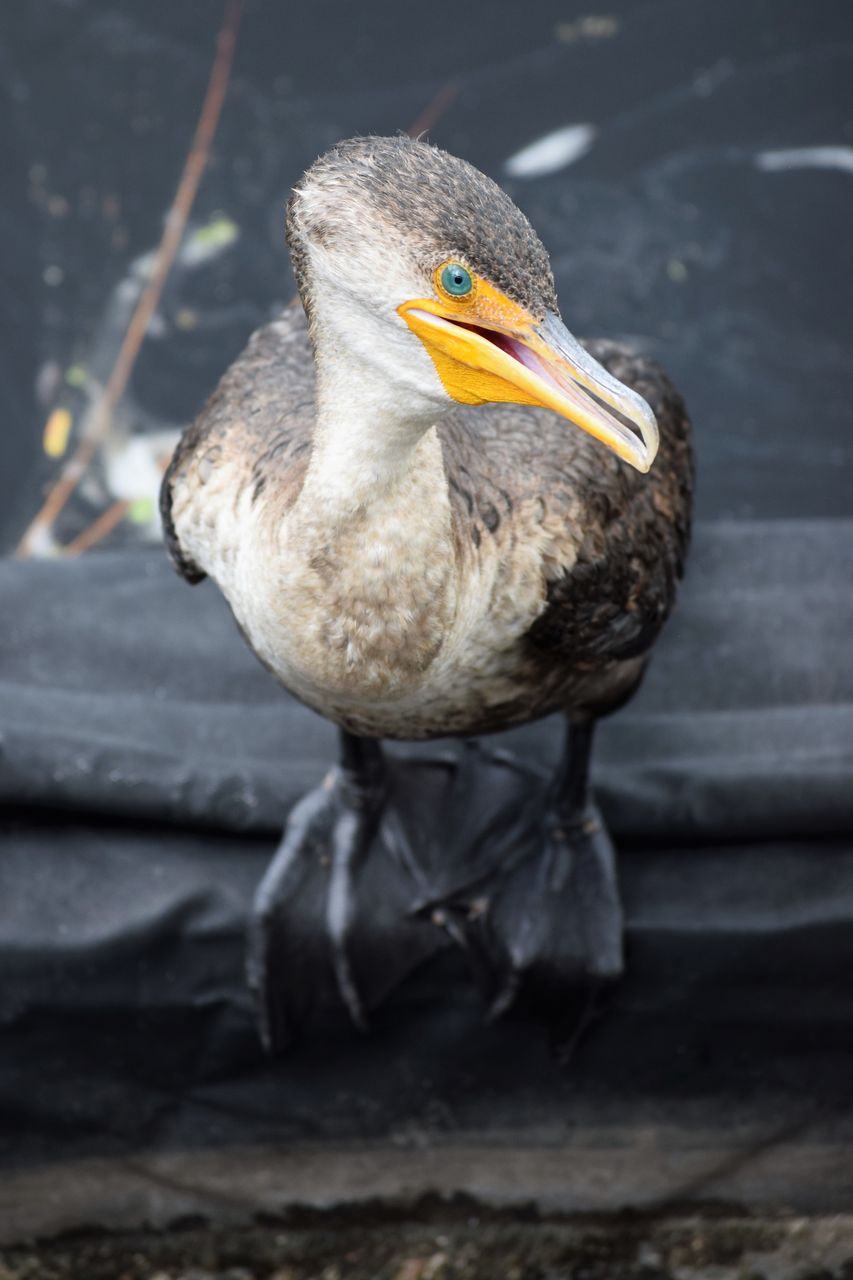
506,996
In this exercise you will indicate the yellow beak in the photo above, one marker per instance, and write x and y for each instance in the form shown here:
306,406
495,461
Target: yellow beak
492,350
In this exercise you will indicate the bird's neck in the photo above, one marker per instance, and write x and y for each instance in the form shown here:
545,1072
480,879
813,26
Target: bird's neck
362,453
376,484
372,439
370,544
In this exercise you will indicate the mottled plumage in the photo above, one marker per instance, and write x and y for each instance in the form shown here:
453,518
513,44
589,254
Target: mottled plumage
611,541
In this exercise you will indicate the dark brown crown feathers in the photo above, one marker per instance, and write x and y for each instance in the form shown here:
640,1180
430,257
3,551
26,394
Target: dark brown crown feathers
428,203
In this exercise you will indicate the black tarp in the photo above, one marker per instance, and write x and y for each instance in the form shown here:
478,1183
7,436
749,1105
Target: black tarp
148,763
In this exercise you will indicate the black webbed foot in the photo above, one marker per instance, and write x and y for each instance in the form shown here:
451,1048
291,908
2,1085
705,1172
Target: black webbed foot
543,926
387,863
550,930
331,913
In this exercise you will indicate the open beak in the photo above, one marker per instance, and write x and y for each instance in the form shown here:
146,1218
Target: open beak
494,351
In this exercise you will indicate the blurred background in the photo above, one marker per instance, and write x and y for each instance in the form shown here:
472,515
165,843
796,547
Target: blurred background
690,168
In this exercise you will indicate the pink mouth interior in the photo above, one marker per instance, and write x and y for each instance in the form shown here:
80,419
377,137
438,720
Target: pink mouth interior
500,340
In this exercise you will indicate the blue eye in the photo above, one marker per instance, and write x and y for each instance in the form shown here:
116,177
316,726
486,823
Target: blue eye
456,280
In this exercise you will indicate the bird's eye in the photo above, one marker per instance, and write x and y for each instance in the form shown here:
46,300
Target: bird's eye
455,280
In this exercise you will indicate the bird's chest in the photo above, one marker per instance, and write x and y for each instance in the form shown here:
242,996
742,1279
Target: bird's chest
350,613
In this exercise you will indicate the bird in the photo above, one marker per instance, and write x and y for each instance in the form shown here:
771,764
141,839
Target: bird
434,513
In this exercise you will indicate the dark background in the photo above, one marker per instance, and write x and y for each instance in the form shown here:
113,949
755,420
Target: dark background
667,231
147,763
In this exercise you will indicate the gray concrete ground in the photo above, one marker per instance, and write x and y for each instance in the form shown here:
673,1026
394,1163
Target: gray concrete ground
462,1244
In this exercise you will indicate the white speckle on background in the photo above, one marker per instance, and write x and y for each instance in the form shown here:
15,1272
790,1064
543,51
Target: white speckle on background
203,244
553,152
807,158
134,472
710,78
594,26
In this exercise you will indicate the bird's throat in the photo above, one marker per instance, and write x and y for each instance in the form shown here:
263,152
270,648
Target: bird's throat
371,563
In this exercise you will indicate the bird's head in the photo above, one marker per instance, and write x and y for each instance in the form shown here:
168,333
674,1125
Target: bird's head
428,275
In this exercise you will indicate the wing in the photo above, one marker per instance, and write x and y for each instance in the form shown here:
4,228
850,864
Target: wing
616,540
249,429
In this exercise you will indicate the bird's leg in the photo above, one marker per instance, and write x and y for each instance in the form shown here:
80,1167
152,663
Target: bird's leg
305,906
362,787
558,918
576,827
